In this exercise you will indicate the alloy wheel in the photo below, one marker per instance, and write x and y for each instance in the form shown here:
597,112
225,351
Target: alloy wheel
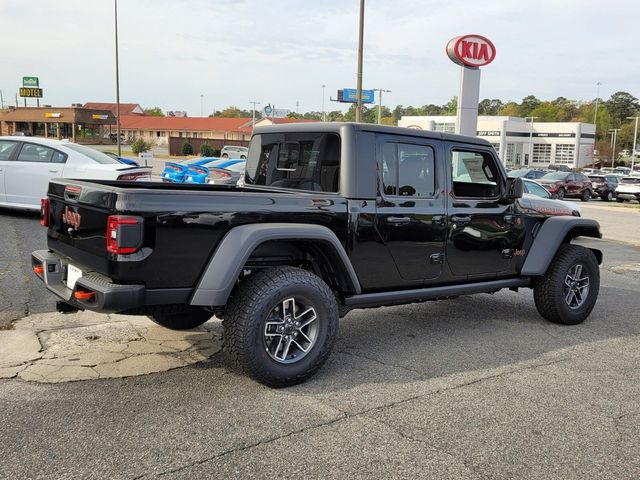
291,330
576,287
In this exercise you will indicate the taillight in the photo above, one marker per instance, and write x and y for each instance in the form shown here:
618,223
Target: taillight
132,177
124,234
44,212
220,174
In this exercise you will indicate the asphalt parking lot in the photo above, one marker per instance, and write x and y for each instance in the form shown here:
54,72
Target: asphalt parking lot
477,387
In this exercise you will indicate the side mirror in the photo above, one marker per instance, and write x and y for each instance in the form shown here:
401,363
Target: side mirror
515,189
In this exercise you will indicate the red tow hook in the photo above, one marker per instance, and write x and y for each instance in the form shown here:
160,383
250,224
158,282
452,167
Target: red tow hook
83,295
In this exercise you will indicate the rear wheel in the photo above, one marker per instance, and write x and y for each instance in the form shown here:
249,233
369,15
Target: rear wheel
568,291
586,195
280,326
224,155
181,320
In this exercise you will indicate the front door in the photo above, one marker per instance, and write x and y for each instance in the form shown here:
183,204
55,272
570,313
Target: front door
27,176
410,213
483,231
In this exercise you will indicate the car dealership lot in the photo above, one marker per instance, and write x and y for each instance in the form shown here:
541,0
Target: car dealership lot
477,387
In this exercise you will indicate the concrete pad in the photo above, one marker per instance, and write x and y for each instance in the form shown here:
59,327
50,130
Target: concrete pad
52,348
18,346
139,365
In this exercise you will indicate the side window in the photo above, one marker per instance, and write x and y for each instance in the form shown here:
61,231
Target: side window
58,157
474,174
35,153
408,170
6,149
537,190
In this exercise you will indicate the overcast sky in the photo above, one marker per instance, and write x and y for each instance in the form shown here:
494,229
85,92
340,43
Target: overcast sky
282,51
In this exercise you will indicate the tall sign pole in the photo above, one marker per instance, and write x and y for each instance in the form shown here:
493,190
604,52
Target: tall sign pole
360,41
470,52
117,83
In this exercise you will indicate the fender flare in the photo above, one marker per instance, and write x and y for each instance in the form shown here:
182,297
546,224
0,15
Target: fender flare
551,235
227,261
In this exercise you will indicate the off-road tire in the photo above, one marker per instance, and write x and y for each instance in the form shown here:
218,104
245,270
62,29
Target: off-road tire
183,319
548,290
561,193
586,195
250,306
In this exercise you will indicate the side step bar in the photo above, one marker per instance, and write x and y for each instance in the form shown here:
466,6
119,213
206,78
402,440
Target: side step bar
398,297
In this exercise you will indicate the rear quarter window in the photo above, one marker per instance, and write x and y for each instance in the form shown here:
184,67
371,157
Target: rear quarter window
298,161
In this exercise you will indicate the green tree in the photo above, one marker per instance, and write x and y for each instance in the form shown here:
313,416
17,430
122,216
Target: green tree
510,109
231,112
187,149
450,107
622,105
140,146
490,106
529,103
154,112
547,112
206,150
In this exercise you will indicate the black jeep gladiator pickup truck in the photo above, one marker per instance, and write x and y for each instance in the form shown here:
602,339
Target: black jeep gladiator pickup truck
328,217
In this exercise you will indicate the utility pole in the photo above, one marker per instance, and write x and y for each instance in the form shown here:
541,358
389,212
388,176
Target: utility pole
1,100
117,82
297,106
380,90
360,42
202,104
253,113
530,140
635,139
324,118
614,136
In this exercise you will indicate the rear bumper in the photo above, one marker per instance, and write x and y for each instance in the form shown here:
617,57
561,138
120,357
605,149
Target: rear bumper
108,297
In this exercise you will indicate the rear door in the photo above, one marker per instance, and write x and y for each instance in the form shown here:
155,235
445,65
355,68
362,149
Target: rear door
410,213
28,175
8,150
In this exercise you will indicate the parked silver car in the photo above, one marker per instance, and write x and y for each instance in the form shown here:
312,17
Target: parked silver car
233,151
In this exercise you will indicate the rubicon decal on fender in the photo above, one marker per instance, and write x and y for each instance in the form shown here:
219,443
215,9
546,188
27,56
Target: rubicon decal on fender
471,50
71,218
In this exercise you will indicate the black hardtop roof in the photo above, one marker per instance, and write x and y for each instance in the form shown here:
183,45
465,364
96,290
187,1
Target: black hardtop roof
368,127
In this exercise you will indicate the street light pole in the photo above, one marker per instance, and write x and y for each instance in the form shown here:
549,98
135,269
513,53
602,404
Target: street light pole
324,118
614,136
117,82
380,90
253,113
530,139
595,114
202,104
360,42
635,139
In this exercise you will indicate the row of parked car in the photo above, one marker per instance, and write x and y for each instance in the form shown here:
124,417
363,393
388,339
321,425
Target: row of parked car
590,183
214,170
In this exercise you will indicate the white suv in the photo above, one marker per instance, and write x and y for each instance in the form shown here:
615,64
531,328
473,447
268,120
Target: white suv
232,151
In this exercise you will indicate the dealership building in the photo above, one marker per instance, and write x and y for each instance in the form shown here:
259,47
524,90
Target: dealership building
560,143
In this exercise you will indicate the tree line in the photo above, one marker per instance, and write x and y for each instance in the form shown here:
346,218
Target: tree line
613,112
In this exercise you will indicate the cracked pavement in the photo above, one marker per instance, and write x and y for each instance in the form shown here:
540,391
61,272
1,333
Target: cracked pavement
479,387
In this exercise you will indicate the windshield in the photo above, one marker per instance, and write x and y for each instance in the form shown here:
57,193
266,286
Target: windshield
596,178
519,173
555,176
94,155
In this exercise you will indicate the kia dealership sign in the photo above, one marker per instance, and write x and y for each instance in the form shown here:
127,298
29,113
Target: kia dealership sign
471,51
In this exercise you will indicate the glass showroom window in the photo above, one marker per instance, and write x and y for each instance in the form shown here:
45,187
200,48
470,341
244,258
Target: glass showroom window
541,153
511,150
564,152
446,127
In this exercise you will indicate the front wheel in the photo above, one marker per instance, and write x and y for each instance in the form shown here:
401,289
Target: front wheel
568,292
280,325
560,194
607,197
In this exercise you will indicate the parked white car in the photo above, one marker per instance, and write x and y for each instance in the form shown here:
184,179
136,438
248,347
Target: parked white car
232,151
28,163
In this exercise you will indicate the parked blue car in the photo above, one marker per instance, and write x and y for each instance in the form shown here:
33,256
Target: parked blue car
125,160
195,170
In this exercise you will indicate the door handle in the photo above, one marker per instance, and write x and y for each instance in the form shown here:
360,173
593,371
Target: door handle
398,220
461,219
54,171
